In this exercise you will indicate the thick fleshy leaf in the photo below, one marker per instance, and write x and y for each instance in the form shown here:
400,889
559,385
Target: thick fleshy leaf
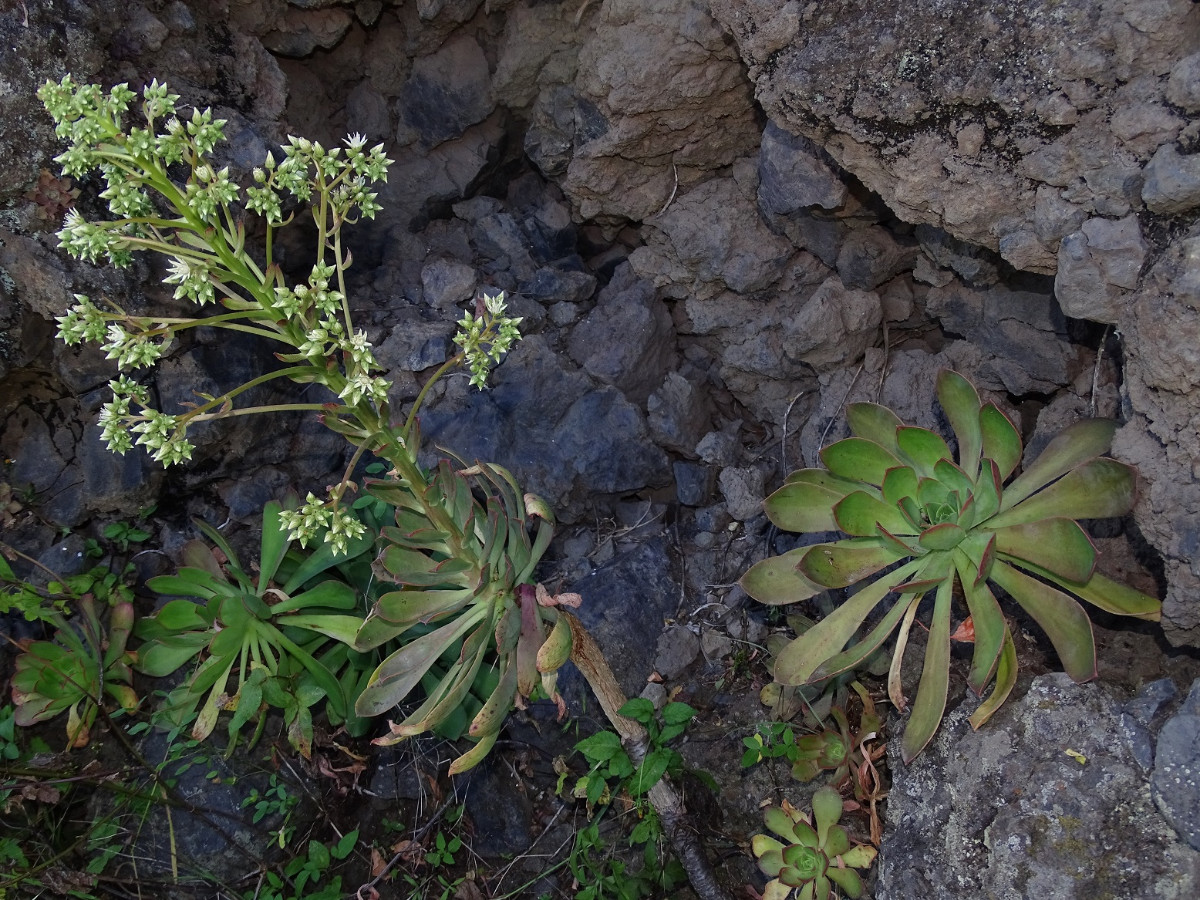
1074,445
899,482
274,545
780,823
189,582
908,547
826,479
912,512
769,853
837,842
848,880
802,507
988,622
931,493
1060,616
859,459
859,514
397,675
328,594
1001,440
167,654
960,403
1059,546
946,536
988,489
1006,680
324,557
1108,595
475,755
797,661
953,477
827,809
858,653
182,615
930,704
1095,490
922,448
874,422
340,628
844,563
776,580
410,607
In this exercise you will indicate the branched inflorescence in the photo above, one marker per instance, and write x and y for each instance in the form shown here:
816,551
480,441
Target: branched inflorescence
167,166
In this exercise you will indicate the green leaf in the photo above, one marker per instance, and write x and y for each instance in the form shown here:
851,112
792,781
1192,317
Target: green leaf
960,402
827,809
397,675
324,557
181,615
922,448
847,562
1117,598
848,880
946,536
858,653
188,582
340,628
776,580
802,507
988,621
326,595
826,479
987,491
780,823
1001,440
1063,619
859,459
1076,444
906,548
600,747
639,709
1095,490
343,847
167,654
899,482
1006,680
651,771
837,842
274,545
954,478
930,704
678,713
1059,546
859,513
797,662
874,422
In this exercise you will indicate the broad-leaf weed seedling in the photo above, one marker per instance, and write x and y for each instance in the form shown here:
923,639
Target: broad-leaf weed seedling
613,780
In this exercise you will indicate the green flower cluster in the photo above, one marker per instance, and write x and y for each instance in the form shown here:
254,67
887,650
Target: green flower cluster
486,336
202,239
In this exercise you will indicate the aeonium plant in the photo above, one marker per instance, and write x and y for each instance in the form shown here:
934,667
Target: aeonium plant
463,563
922,520
811,855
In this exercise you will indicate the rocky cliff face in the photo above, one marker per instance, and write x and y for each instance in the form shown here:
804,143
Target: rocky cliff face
721,221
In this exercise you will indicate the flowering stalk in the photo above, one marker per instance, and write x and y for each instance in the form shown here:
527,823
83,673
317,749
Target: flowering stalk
203,237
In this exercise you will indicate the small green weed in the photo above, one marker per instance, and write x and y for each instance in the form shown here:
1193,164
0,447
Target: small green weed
597,872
